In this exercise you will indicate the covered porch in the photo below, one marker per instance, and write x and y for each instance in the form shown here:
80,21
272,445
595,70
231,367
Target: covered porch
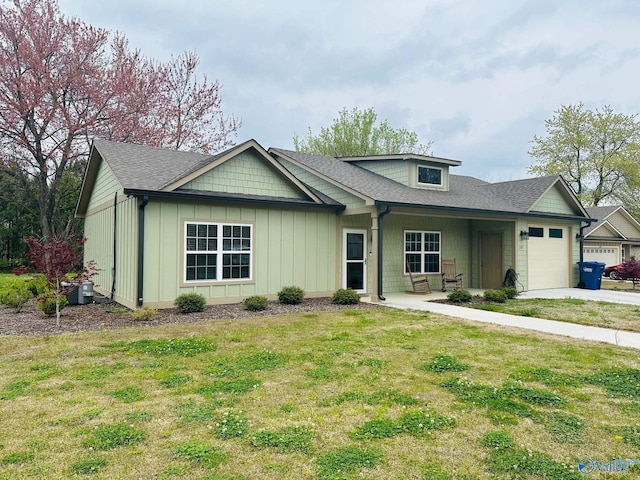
378,249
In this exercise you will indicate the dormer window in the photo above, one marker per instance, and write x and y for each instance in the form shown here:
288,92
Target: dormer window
429,176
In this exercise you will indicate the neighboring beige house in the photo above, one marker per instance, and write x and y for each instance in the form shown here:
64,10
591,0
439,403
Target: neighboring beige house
249,221
613,238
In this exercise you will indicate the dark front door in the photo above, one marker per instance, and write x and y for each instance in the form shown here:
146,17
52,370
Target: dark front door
491,268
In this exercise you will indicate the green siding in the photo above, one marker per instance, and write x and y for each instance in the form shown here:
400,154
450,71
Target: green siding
98,229
623,225
522,260
455,243
247,173
553,202
338,194
478,227
290,247
395,170
105,186
357,222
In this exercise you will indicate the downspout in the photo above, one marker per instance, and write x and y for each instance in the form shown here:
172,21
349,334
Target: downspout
141,206
581,238
380,248
115,251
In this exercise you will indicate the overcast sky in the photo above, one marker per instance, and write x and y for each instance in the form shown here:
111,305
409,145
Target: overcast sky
478,78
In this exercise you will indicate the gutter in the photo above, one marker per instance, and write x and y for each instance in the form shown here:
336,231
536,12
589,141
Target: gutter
581,238
143,203
581,283
485,211
380,248
115,250
226,198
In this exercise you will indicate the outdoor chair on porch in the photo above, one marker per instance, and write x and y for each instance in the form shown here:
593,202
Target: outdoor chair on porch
450,275
420,284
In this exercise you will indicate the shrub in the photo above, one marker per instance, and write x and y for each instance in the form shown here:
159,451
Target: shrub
510,292
47,303
144,314
37,284
291,295
190,303
15,294
460,296
255,303
8,264
345,296
497,296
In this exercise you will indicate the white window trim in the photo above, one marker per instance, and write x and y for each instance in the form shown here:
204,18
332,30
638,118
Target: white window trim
441,184
219,252
422,252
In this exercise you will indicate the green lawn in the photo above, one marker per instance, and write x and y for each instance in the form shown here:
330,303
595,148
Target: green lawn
376,394
5,277
599,314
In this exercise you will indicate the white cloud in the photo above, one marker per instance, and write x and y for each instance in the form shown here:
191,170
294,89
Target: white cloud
478,78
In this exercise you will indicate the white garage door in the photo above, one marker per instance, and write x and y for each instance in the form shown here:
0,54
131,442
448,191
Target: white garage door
549,257
608,255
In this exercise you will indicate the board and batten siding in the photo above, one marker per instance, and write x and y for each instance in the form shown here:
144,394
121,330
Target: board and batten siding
105,186
290,247
246,173
98,229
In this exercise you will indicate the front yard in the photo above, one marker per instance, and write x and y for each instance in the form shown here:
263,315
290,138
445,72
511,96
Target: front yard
616,316
372,393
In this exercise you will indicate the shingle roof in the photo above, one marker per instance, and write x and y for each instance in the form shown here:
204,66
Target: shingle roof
464,192
149,168
141,168
601,213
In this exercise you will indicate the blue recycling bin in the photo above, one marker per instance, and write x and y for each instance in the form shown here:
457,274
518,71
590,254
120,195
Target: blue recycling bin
591,274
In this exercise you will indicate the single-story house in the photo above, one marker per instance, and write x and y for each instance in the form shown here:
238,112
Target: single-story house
613,238
249,221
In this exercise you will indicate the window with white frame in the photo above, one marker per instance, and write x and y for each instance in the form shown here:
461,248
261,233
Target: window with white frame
429,175
217,252
422,251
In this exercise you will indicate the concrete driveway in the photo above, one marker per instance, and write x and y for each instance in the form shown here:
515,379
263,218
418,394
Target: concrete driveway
616,337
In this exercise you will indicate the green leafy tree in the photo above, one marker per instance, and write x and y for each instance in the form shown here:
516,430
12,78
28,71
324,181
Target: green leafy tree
18,212
355,133
596,152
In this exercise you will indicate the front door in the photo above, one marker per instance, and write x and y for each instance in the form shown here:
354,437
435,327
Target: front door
491,268
354,249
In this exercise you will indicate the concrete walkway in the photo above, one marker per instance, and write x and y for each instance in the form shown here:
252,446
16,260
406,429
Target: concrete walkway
616,337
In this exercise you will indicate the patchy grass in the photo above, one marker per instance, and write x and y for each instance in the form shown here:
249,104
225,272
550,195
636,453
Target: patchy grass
386,399
585,312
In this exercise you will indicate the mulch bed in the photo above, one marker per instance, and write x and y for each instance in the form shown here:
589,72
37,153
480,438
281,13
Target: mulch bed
106,315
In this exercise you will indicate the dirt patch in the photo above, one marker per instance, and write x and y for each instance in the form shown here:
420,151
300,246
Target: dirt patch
106,315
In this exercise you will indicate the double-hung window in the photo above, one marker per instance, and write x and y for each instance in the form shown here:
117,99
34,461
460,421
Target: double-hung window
422,251
217,252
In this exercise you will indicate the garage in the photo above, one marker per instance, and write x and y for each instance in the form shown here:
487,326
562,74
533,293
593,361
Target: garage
610,255
549,254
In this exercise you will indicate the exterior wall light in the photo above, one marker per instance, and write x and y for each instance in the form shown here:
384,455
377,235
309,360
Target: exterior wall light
524,235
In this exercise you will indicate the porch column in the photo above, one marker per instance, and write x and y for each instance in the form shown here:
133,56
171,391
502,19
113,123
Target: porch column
372,260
